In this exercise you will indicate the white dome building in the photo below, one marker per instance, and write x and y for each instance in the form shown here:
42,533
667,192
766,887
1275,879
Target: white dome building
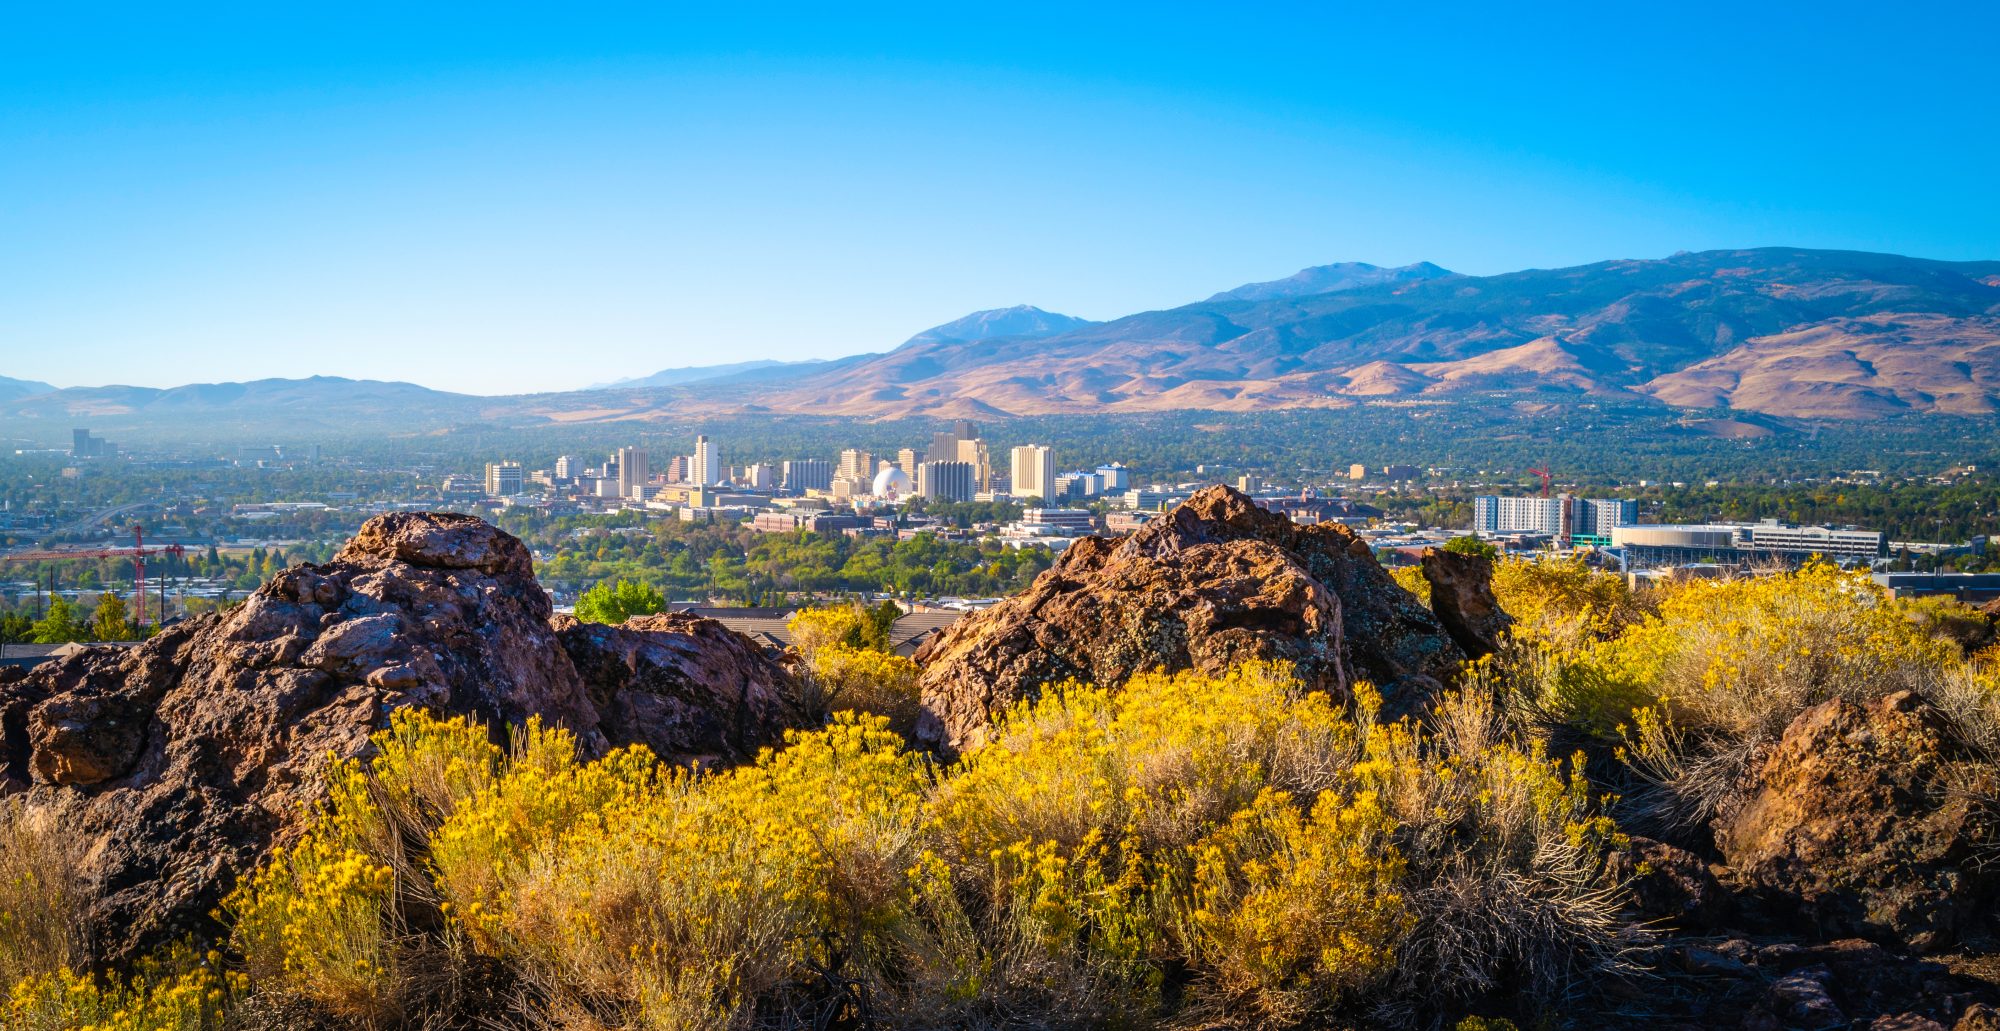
892,482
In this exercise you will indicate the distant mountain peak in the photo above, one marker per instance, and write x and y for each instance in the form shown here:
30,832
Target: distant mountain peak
1022,320
1326,279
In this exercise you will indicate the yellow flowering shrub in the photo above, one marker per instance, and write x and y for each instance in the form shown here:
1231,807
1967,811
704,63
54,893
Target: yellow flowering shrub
1501,844
1411,579
679,898
852,626
311,922
159,998
1564,602
1291,912
847,679
317,920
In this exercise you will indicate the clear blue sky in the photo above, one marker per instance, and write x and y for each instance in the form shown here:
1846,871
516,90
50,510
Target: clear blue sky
502,198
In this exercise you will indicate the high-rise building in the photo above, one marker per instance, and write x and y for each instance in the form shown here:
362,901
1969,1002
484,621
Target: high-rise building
83,445
972,451
566,468
801,475
1116,477
952,481
1034,471
708,466
760,476
908,459
944,443
1561,516
856,464
503,479
631,470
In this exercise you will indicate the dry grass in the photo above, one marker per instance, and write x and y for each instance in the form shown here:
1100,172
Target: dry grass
42,893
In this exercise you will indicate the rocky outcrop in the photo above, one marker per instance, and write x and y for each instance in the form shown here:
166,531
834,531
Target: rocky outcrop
1462,597
187,756
1213,583
1858,823
688,687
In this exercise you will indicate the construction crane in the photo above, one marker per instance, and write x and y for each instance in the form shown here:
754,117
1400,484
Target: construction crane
138,553
1543,472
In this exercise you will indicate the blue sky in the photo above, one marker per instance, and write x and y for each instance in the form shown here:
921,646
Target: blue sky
501,198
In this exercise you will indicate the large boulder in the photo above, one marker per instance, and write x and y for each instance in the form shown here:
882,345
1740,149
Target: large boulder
1462,597
1211,584
1863,821
186,757
690,688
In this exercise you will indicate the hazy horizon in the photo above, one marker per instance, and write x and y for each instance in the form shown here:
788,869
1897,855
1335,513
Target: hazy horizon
498,204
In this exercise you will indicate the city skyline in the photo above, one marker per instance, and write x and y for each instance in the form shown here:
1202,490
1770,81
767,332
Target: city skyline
448,201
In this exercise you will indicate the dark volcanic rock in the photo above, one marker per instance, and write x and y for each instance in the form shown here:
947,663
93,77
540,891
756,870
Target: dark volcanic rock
1669,885
1856,825
690,688
1213,583
186,757
1462,597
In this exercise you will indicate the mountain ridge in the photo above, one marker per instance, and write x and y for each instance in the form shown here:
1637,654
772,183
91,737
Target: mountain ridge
1326,279
1780,332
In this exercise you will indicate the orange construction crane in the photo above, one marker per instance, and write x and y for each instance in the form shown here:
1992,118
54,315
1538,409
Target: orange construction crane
138,553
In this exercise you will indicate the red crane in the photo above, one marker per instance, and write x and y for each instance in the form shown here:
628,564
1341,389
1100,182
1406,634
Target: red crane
138,553
1543,472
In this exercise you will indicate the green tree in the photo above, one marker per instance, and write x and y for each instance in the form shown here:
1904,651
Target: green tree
61,625
614,603
112,622
1471,546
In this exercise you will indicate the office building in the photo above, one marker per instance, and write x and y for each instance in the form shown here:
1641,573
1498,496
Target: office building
1769,540
801,475
567,468
631,470
761,476
908,459
856,464
951,481
707,466
1590,520
1075,519
1115,477
503,479
1357,471
1034,471
944,443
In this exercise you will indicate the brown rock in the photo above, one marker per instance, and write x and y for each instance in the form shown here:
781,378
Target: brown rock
1213,583
1669,884
1978,1017
186,757
1462,597
690,688
1905,1022
1853,827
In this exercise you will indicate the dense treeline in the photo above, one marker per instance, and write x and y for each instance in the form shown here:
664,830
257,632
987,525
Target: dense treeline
730,561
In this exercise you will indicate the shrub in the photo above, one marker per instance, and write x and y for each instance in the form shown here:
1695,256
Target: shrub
1291,913
681,899
175,995
1731,663
615,603
1563,602
854,626
1502,845
41,892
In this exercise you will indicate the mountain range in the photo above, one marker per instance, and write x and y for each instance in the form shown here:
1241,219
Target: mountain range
1783,332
